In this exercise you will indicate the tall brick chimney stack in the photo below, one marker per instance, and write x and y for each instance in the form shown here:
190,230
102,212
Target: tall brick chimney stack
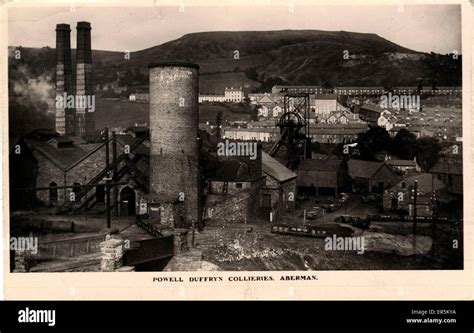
64,116
85,121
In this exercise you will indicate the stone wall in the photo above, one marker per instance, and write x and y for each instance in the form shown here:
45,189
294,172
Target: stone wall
233,208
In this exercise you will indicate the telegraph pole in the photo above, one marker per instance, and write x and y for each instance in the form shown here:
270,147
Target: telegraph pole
105,136
415,195
114,157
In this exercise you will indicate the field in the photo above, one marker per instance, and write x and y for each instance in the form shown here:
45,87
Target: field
121,113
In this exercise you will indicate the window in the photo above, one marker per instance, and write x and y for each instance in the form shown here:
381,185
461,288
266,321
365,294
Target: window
100,194
404,185
53,192
76,187
238,185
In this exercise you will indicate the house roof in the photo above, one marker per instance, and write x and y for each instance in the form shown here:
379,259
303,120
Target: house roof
266,99
320,165
426,183
130,140
410,163
371,107
136,129
363,169
325,97
67,157
275,169
45,131
447,166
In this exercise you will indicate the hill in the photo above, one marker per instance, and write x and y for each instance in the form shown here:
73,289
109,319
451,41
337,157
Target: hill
254,60
290,56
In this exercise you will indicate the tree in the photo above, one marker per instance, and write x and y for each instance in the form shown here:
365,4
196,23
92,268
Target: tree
427,152
404,145
254,113
217,130
372,142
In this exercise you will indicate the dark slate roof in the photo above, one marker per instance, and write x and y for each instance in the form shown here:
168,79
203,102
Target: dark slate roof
275,169
371,107
64,158
325,96
363,169
129,140
447,166
62,139
320,165
411,163
45,131
136,129
426,183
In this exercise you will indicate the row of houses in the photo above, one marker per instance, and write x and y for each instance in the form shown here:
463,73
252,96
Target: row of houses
265,131
233,95
282,89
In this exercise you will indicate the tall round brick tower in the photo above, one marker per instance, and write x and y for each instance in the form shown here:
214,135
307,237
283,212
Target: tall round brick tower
174,123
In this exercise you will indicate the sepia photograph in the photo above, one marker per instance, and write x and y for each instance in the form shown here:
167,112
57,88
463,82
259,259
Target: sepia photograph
289,137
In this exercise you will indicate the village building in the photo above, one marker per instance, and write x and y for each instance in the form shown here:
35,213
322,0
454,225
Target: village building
323,104
402,167
450,172
279,193
320,176
65,172
281,89
235,95
251,134
431,191
368,176
369,113
209,98
336,133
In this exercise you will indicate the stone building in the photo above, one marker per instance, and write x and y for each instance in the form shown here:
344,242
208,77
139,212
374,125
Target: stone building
368,176
233,194
322,175
235,95
399,198
65,166
279,193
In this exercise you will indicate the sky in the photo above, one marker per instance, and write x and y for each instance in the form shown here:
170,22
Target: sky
425,28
